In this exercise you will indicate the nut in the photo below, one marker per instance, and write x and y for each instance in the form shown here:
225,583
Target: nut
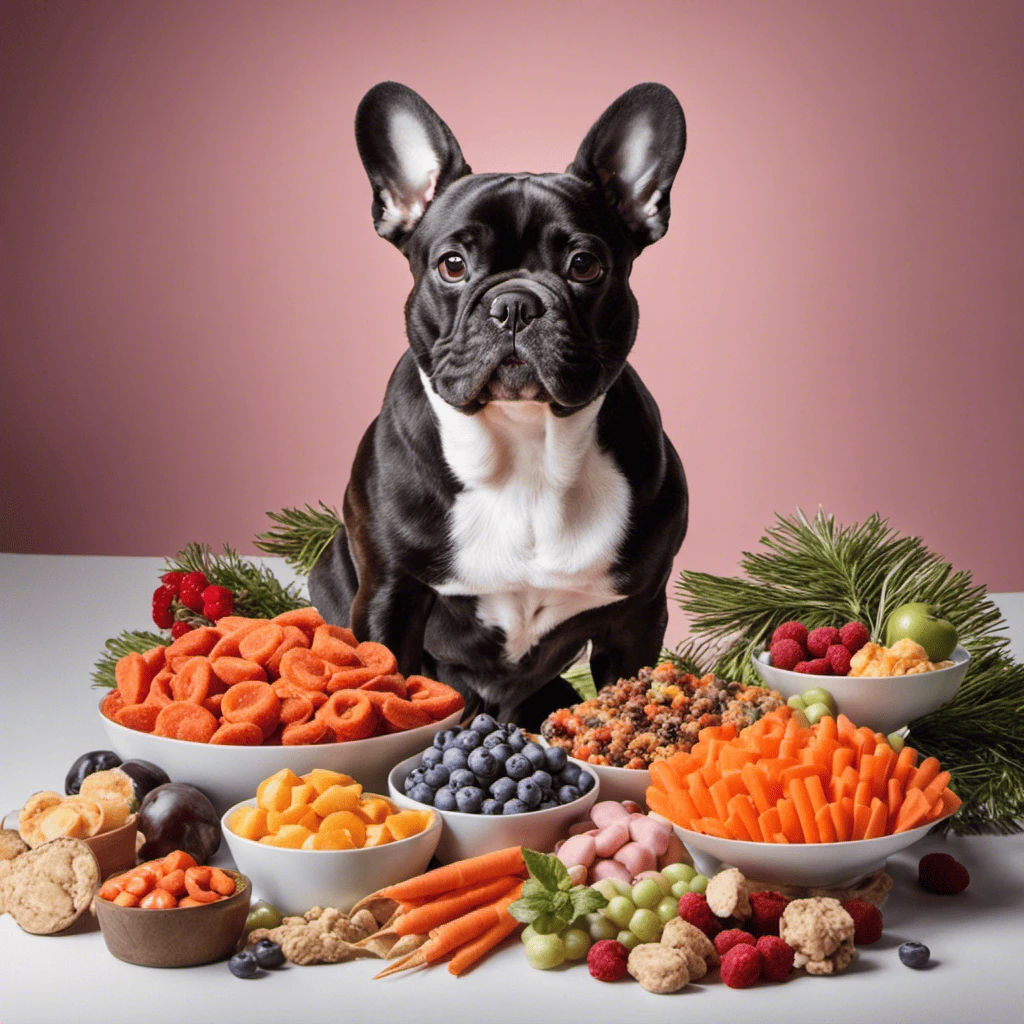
659,969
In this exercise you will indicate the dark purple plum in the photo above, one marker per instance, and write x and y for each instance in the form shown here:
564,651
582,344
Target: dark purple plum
175,816
94,761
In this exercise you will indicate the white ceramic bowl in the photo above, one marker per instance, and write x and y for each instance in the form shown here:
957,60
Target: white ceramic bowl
808,864
882,703
295,880
227,774
620,783
469,835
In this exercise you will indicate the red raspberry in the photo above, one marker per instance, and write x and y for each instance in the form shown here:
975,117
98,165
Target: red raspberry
766,912
607,960
163,597
172,580
787,654
776,958
816,667
854,635
693,907
741,966
938,872
191,591
838,656
867,921
791,631
179,629
724,941
217,602
821,639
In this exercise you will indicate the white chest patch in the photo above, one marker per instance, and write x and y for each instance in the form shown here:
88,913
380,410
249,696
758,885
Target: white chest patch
537,526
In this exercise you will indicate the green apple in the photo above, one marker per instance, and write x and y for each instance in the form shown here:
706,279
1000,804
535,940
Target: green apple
923,624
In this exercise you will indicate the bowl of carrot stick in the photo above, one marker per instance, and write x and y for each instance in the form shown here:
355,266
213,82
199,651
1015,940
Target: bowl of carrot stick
790,804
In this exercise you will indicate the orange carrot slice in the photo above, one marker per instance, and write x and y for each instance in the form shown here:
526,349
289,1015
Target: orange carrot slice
193,681
861,817
350,714
178,860
238,734
221,882
141,717
720,795
914,811
252,702
173,882
841,821
842,758
769,822
790,821
895,802
261,643
744,807
182,720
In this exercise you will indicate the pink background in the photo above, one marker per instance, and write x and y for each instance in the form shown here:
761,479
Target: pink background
199,321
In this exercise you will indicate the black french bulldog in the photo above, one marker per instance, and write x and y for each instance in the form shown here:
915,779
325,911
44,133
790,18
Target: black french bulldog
517,496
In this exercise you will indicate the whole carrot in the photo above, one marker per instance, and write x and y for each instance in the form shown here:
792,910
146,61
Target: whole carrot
459,875
470,953
446,908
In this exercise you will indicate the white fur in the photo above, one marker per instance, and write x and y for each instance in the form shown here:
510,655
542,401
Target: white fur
537,526
419,170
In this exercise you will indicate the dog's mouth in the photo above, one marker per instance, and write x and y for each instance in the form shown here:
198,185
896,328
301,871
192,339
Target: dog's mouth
513,380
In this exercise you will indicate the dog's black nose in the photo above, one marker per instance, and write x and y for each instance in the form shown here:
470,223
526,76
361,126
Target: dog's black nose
515,310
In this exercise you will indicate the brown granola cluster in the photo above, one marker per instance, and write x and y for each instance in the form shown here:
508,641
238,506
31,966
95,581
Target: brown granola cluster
654,715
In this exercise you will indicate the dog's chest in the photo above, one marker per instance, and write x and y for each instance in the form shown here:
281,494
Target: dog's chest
537,526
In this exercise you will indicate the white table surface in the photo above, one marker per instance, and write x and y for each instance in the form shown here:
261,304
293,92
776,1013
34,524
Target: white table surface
55,613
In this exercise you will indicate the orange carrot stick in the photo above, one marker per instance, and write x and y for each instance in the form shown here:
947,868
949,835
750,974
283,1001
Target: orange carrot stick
841,821
875,827
805,812
895,803
861,817
905,763
467,955
927,771
826,827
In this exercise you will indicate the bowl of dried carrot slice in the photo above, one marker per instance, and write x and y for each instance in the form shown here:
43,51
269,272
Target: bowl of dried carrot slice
790,804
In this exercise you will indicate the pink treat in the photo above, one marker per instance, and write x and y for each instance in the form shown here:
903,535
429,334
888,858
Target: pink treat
578,850
609,869
608,811
581,827
636,858
611,839
632,806
675,853
649,833
577,874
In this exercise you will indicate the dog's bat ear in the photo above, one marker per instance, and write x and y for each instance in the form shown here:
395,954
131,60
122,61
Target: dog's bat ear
633,152
409,154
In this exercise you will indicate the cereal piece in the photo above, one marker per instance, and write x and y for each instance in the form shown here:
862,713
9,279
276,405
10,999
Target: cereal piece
48,888
727,895
699,949
821,934
659,969
11,844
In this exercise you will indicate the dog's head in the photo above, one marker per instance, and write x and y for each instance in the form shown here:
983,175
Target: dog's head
521,280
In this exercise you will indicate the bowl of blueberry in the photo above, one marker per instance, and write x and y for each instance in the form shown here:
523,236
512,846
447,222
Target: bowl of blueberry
494,787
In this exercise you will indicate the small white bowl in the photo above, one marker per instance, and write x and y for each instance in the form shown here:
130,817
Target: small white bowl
882,703
620,783
805,864
227,774
295,880
469,835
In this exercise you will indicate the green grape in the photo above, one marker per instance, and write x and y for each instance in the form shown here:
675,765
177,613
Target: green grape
262,915
606,887
667,909
623,888
601,928
645,925
819,695
545,924
815,712
796,702
528,933
699,883
678,873
629,939
646,893
576,943
663,883
620,910
545,952
679,888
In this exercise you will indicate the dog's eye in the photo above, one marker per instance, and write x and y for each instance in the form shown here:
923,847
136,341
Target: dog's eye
452,267
584,266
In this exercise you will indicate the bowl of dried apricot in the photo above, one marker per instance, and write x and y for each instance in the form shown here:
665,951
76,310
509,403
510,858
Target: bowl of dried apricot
319,840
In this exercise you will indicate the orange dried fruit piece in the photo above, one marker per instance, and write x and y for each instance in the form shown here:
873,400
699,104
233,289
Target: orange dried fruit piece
334,839
289,816
338,798
140,717
329,646
289,837
182,720
306,619
323,778
402,715
285,775
375,809
351,715
252,702
296,709
274,795
378,835
305,669
195,642
250,823
261,643
193,681
437,699
348,822
236,734
133,676
231,670
405,824
302,794
305,733
112,703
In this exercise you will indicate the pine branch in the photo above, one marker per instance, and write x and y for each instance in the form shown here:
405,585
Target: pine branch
824,574
301,535
259,594
117,647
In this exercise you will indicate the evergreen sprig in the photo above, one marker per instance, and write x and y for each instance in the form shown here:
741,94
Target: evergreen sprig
258,593
138,640
300,536
825,574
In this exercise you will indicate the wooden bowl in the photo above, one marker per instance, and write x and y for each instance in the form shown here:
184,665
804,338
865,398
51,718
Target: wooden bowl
115,850
183,937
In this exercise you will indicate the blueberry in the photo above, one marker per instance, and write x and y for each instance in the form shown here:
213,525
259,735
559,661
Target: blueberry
567,794
431,756
268,953
492,807
585,782
470,800
483,724
492,739
461,777
501,753
529,793
421,793
445,800
514,807
454,758
468,740
534,753
556,759
518,767
570,774
443,740
915,954
411,782
544,780
244,964
516,740
483,764
546,805
436,777
504,789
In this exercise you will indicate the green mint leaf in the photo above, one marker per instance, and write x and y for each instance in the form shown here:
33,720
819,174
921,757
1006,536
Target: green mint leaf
529,907
546,869
585,900
531,887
